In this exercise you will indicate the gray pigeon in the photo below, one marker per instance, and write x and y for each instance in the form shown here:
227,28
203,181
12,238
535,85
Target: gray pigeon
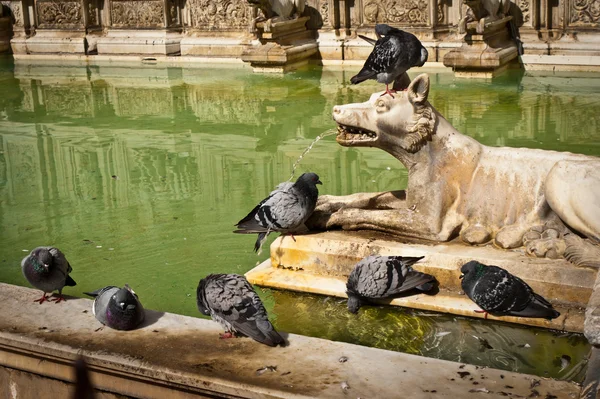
500,293
395,52
230,300
47,269
285,210
118,308
378,277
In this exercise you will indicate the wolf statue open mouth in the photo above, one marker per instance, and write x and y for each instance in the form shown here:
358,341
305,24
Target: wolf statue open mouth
349,135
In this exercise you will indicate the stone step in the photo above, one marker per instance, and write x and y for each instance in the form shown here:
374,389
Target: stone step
570,319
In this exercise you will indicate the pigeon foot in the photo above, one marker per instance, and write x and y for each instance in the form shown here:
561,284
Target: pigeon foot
226,335
482,311
42,299
388,91
59,298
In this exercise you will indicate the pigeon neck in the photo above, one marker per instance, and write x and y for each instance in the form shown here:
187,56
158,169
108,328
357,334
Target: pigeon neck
308,188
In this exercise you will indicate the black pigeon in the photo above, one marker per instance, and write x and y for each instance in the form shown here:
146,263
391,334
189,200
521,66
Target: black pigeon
395,52
285,210
378,277
499,293
117,308
47,269
230,300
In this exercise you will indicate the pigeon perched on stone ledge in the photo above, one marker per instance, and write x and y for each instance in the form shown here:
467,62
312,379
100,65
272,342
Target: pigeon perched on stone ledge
395,52
47,269
117,308
230,300
379,277
285,209
500,293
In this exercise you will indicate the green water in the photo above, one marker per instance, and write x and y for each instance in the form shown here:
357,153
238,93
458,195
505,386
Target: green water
139,173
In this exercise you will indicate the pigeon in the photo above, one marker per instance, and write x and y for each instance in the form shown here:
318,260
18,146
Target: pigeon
230,300
285,209
394,53
377,277
117,308
47,269
500,293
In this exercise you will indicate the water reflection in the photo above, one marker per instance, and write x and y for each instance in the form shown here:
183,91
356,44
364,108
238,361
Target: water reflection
140,173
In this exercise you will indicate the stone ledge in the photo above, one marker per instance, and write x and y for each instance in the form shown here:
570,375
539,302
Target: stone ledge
571,319
334,254
181,357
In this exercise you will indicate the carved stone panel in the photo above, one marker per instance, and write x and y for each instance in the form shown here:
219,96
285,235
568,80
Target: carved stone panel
137,14
524,16
219,14
409,12
16,12
585,13
93,13
59,14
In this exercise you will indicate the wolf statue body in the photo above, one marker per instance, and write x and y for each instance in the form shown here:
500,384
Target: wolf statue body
547,201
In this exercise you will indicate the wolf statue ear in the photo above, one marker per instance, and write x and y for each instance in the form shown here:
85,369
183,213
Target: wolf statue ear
418,90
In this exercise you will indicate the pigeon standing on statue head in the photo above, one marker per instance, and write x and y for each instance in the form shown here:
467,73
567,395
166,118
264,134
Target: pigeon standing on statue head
117,308
230,300
378,277
395,52
47,269
499,293
285,209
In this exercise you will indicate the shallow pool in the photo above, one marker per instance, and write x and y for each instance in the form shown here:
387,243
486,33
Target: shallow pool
138,173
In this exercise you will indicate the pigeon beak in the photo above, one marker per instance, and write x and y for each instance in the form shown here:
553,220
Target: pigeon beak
318,182
122,305
461,276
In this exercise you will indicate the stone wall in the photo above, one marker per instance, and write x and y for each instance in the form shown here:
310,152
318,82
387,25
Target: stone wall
547,27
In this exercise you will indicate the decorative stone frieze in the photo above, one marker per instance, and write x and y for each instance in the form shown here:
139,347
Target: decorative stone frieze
16,12
219,14
59,14
410,12
585,13
137,14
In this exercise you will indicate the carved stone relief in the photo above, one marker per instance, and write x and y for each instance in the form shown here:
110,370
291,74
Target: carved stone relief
525,7
59,14
137,14
324,11
585,13
219,14
414,12
93,12
173,13
15,12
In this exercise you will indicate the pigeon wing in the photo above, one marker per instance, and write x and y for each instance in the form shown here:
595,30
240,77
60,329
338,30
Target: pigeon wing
381,60
233,299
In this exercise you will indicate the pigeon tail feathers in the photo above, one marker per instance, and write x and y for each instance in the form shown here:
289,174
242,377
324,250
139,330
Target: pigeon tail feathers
259,241
69,282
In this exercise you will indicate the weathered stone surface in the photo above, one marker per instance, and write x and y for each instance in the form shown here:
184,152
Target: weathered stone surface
174,356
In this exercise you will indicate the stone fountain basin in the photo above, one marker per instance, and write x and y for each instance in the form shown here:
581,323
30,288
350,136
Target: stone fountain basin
174,356
320,263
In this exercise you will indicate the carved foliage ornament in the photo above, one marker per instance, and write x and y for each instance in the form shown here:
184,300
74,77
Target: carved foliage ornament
585,12
219,14
415,12
59,13
525,6
324,10
138,14
15,11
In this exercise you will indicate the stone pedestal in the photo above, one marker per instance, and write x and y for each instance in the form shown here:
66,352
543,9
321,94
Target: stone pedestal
281,46
483,55
139,42
320,263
